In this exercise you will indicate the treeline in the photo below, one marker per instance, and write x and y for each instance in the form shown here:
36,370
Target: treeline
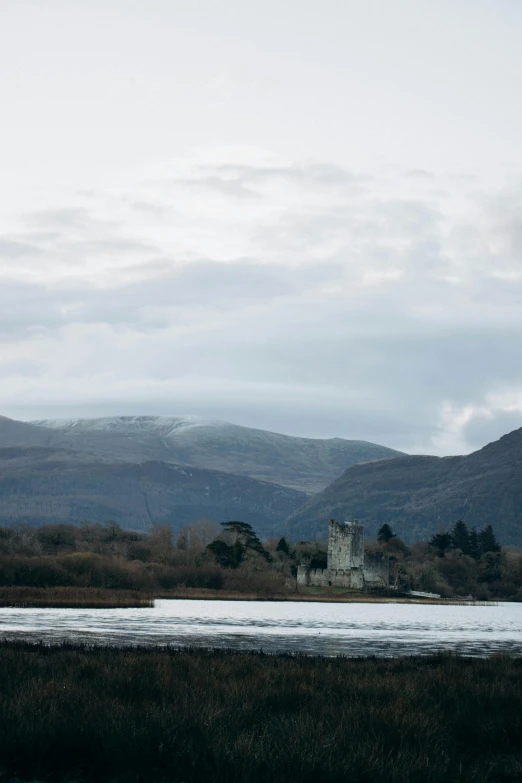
205,555
231,557
459,562
470,542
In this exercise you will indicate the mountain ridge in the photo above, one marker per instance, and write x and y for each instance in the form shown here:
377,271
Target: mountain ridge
304,464
419,495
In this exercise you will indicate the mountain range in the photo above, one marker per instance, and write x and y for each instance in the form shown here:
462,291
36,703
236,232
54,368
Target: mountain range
146,469
305,464
138,470
420,495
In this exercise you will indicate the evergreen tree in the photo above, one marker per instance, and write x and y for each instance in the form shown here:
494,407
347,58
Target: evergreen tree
460,537
319,560
227,556
245,537
441,542
283,547
474,548
488,541
385,533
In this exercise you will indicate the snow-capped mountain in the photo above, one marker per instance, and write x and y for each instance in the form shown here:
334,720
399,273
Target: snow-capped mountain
306,464
139,470
164,425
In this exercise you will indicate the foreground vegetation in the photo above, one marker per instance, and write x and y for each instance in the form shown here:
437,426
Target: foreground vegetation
73,597
230,560
110,715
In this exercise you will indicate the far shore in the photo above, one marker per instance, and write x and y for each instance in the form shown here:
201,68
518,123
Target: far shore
319,595
74,598
105,598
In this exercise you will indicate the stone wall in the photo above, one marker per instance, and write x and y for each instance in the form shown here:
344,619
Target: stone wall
325,577
313,576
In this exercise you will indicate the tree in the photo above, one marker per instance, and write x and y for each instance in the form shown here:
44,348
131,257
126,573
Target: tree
474,547
441,542
487,540
160,543
227,556
243,539
283,547
202,531
385,533
319,560
114,530
245,535
460,537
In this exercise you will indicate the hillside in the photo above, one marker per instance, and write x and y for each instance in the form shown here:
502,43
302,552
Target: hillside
305,464
420,495
40,485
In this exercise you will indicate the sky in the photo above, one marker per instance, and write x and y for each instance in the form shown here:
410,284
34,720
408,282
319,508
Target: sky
299,216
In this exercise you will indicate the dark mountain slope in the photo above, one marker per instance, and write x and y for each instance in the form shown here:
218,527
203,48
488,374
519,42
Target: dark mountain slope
39,485
306,464
420,495
22,433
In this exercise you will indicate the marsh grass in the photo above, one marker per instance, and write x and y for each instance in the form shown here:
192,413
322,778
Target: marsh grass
310,594
112,598
74,597
76,714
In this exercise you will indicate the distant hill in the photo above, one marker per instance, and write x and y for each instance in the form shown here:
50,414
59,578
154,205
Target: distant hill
305,464
420,495
40,485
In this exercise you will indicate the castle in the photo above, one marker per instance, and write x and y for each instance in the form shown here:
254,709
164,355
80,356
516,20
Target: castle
347,565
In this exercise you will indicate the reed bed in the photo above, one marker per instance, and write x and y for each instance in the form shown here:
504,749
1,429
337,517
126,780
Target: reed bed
74,597
320,595
106,715
107,598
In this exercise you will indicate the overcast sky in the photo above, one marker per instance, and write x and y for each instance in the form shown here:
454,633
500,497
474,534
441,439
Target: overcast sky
300,216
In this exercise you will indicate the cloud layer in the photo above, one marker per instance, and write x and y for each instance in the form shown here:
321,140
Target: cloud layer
297,296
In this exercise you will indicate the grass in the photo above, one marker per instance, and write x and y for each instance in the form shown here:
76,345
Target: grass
73,597
106,598
304,593
113,716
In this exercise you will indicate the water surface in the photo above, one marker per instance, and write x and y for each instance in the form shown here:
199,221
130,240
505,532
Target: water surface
352,629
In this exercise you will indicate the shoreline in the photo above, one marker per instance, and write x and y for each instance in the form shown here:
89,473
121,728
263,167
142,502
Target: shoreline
326,598
73,598
108,598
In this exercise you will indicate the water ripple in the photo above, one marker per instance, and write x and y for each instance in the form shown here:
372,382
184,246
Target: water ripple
311,628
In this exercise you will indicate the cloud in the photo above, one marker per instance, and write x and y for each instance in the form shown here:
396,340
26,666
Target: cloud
12,249
296,296
419,174
225,186
323,174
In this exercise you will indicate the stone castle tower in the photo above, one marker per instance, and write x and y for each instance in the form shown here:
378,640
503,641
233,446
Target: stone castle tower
345,545
347,564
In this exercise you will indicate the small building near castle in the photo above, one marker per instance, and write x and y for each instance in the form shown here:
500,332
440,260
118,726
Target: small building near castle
348,565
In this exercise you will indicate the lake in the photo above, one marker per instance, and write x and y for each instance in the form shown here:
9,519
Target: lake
352,629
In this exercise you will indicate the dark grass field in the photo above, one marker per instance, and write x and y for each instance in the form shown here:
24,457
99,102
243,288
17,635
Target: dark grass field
71,714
